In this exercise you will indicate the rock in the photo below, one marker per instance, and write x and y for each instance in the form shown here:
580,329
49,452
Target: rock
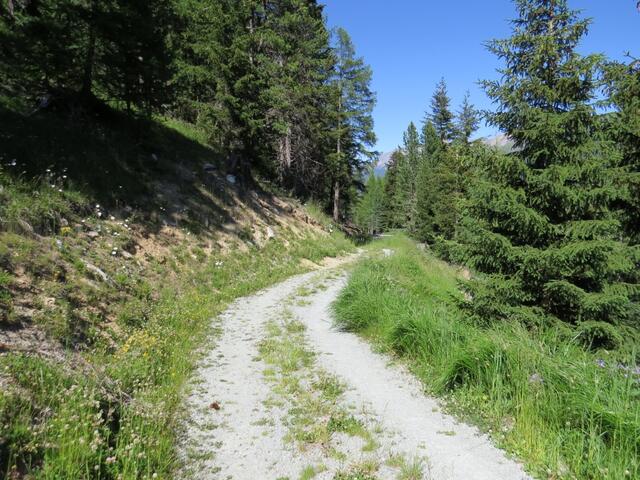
208,168
126,255
26,228
270,233
64,222
93,234
97,273
231,179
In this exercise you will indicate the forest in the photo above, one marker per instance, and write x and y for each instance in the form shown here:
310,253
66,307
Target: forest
273,90
551,223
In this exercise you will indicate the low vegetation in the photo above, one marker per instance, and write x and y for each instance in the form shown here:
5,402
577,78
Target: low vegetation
120,239
567,411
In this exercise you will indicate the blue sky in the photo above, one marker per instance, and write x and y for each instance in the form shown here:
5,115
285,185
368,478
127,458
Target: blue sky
411,44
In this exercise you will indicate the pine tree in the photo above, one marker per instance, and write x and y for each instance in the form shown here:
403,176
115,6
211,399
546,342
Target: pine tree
137,56
368,213
442,185
440,114
425,199
540,220
407,180
392,210
467,120
623,82
297,63
352,120
71,50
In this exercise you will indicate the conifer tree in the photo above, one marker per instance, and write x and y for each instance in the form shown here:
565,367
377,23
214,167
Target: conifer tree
351,115
369,209
71,50
541,222
467,120
407,176
392,211
623,81
441,115
431,153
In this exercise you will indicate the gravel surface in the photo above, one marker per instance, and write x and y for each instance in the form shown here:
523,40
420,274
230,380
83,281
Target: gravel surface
234,432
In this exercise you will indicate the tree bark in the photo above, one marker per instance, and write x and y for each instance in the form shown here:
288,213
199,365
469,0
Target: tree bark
336,201
87,79
336,185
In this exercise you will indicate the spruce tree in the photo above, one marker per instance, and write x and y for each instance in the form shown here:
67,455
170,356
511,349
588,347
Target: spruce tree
541,224
425,199
467,120
392,211
368,213
441,115
407,176
623,82
352,103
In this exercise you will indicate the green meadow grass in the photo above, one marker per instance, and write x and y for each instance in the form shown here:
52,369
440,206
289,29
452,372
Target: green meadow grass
565,412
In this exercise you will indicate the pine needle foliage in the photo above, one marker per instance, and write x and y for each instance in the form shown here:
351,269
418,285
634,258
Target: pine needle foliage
541,221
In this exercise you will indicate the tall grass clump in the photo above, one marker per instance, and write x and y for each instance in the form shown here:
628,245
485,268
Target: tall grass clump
567,411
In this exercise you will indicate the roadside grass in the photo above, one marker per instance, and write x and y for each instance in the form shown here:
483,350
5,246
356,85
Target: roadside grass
566,412
119,417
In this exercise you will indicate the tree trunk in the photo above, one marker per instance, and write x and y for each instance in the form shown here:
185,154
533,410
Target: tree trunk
87,79
336,201
336,184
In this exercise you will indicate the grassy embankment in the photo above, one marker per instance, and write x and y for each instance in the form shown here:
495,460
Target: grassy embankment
566,412
116,250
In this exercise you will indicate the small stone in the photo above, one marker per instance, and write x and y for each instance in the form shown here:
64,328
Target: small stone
270,233
93,234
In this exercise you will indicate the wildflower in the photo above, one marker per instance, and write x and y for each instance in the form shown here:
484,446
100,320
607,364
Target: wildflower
601,363
110,460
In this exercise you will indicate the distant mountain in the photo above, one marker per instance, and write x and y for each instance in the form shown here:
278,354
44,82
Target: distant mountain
381,165
501,141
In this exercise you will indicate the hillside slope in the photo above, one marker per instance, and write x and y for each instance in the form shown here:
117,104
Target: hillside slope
119,239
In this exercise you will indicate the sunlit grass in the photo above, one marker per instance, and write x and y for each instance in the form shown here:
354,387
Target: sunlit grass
566,412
